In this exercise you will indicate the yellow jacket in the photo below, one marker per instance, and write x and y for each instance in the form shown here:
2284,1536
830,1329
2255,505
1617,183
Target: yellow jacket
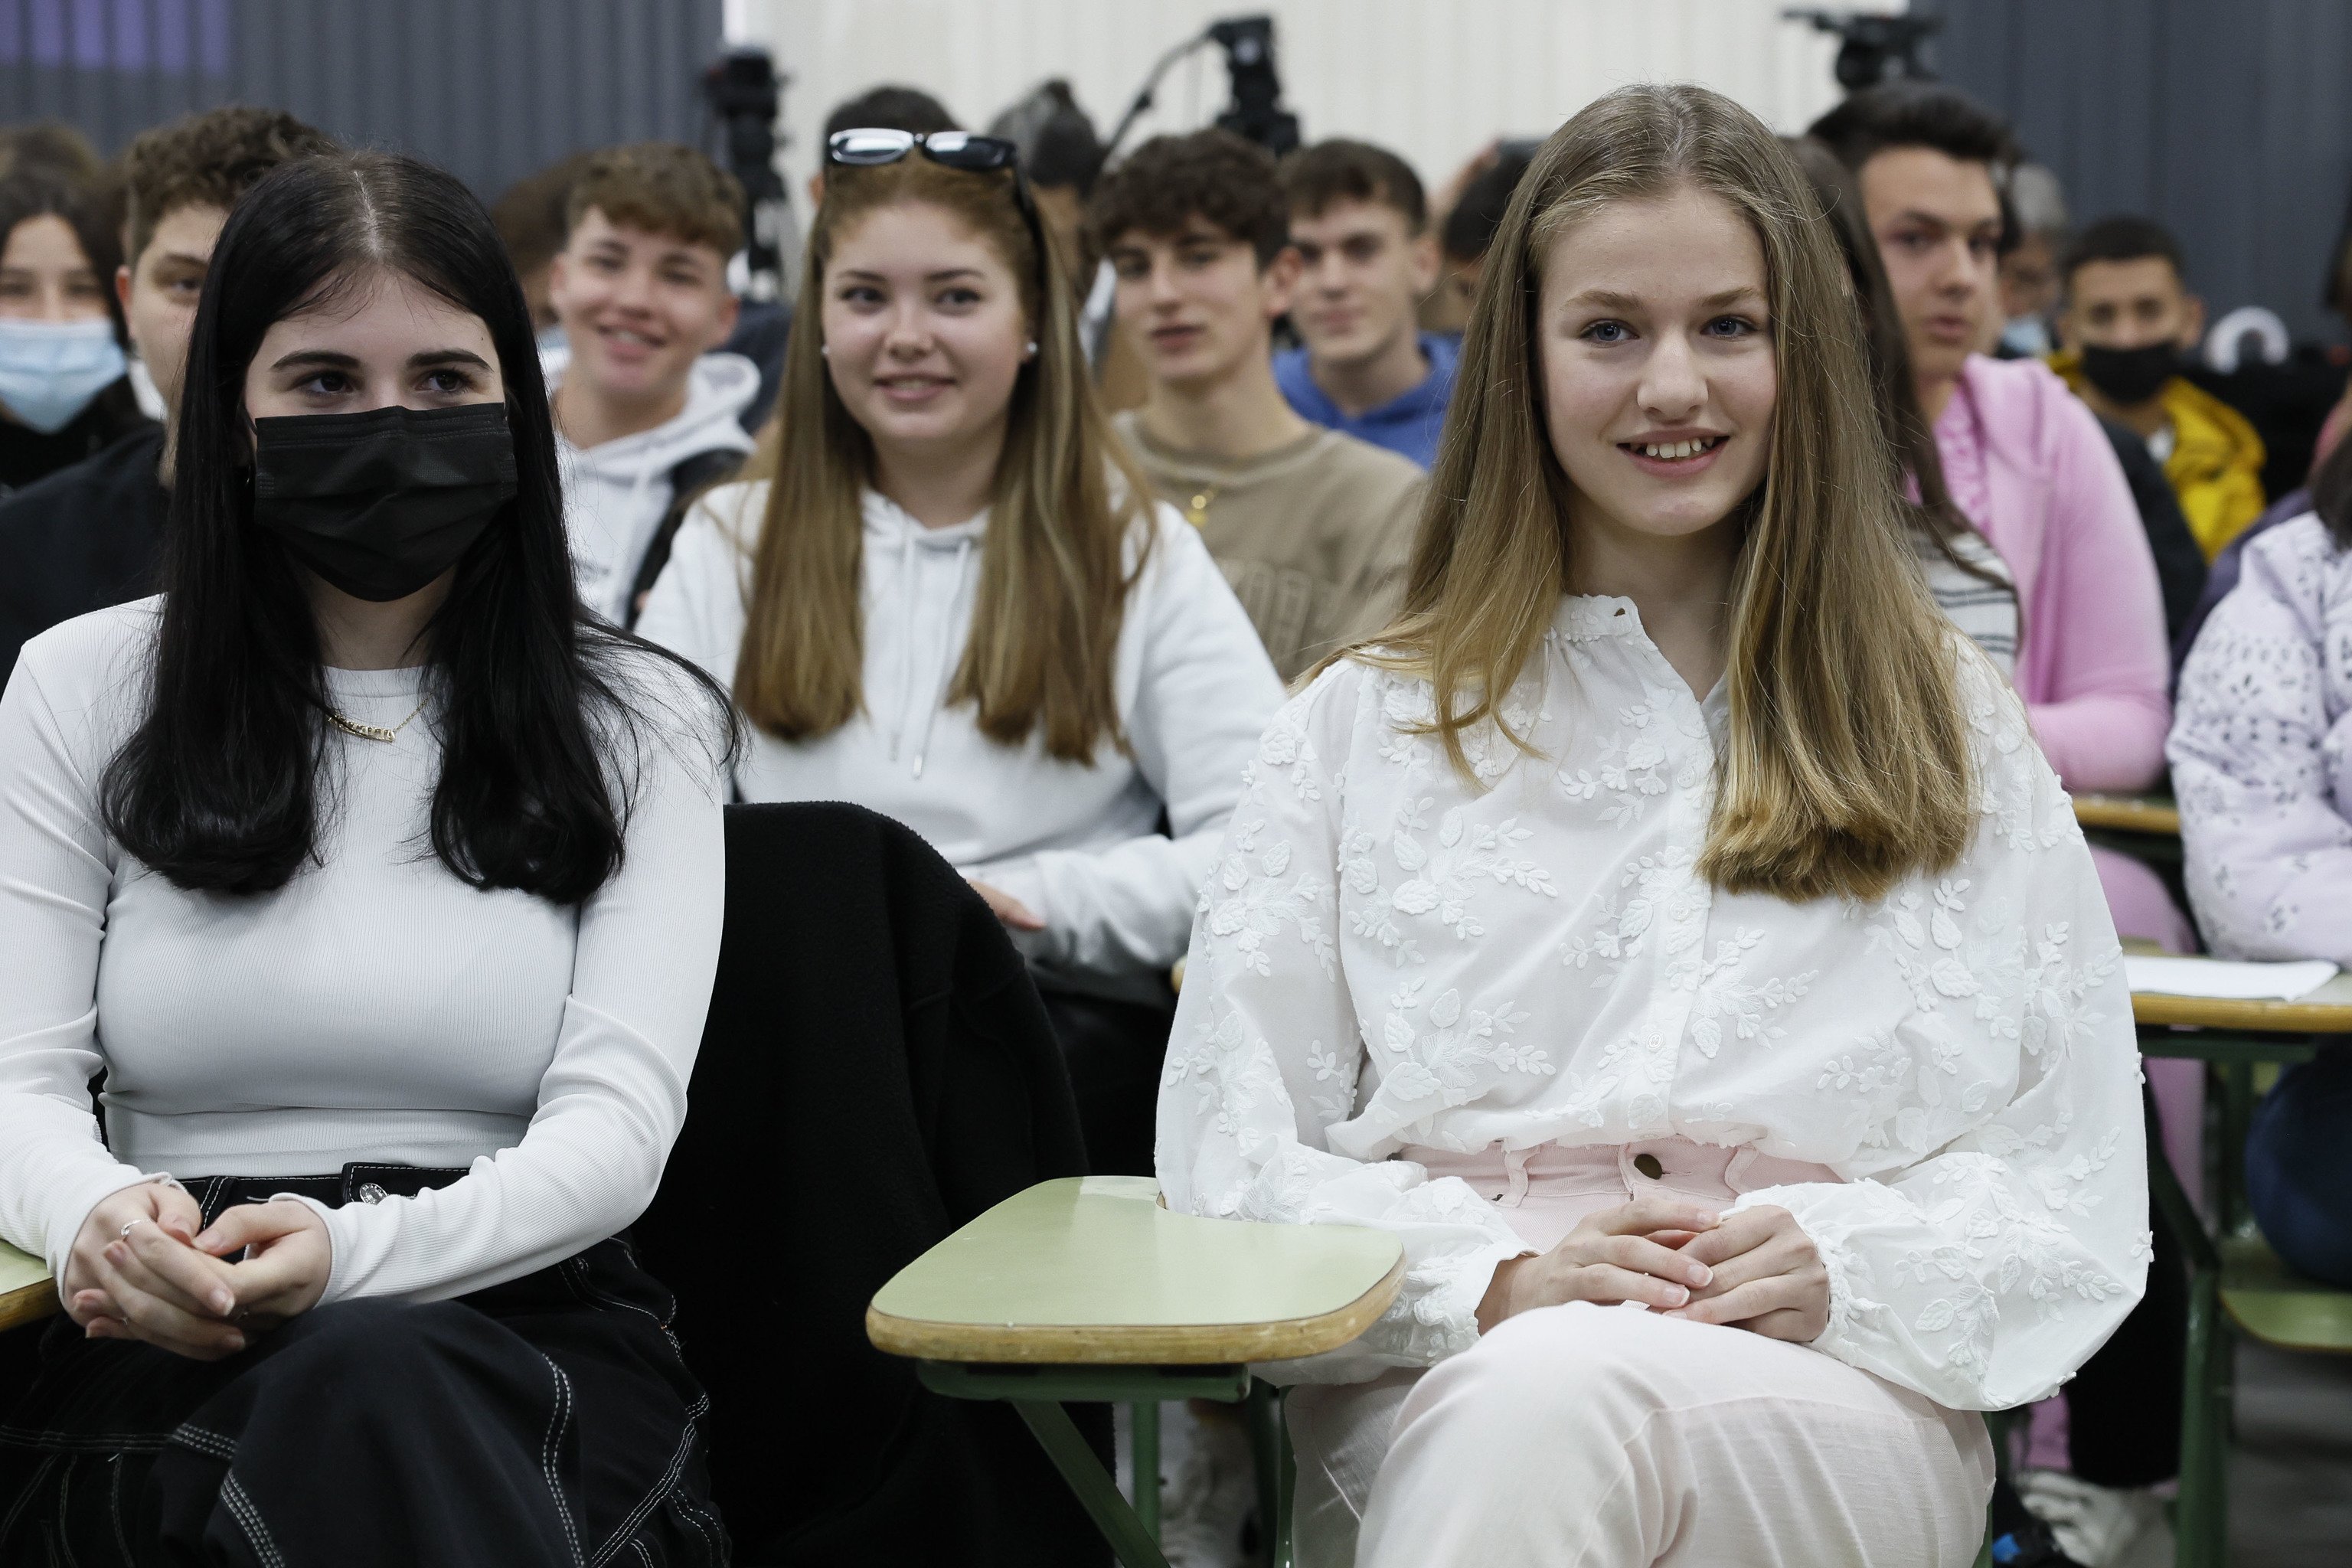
2216,467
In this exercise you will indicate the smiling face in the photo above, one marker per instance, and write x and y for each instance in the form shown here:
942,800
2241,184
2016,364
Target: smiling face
1936,219
1659,381
1363,272
386,340
637,308
1196,304
924,333
44,276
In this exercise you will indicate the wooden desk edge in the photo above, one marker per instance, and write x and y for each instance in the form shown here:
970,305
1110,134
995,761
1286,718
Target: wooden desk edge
28,1304
2158,1008
1122,1344
2120,813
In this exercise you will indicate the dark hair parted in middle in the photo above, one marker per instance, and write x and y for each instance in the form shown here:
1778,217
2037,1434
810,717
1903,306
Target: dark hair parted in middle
221,785
1343,171
1169,181
2122,238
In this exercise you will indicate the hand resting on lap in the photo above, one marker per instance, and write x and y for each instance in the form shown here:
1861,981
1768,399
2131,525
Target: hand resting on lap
140,1271
1756,1271
1623,1254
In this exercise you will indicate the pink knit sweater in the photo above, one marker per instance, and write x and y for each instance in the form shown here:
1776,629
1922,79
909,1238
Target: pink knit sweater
2030,467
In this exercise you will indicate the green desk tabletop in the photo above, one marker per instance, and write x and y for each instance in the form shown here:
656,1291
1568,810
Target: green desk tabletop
24,1292
1093,1270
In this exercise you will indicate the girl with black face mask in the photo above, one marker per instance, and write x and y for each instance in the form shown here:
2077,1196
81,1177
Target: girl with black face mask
382,885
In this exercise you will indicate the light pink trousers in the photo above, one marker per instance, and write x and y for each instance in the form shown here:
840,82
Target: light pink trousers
1586,1436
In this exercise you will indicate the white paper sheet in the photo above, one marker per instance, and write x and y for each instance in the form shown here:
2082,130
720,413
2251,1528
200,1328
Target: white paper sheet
2227,979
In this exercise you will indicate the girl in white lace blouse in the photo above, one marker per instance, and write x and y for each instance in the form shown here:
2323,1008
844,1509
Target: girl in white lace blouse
1669,913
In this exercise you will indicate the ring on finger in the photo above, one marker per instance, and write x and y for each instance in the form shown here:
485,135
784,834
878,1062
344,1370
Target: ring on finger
124,1234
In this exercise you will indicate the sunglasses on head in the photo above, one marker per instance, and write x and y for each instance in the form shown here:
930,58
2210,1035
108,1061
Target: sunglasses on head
974,154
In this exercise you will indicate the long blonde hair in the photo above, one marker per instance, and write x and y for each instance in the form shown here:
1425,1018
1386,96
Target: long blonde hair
1847,762
1056,563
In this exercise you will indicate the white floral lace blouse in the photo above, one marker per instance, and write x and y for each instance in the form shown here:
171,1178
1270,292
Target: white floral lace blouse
1385,957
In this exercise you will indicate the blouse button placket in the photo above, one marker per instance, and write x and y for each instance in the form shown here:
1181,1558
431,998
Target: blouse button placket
1683,934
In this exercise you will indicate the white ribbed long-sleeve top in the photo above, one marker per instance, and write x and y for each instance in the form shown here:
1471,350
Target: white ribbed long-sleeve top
376,1008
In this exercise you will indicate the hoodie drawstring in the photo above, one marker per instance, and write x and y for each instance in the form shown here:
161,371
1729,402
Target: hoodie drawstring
947,661
907,673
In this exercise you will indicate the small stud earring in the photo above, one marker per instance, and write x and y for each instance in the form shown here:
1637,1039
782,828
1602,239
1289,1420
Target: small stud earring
1033,346
824,351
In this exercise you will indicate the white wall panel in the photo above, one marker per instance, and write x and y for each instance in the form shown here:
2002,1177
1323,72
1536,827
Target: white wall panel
1434,80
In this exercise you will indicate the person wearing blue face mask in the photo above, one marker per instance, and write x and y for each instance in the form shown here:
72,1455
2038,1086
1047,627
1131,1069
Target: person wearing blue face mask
64,391
91,533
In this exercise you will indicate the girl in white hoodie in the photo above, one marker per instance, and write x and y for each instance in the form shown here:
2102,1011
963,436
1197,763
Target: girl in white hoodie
952,601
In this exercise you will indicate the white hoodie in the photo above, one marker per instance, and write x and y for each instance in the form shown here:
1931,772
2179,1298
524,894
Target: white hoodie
1079,845
615,493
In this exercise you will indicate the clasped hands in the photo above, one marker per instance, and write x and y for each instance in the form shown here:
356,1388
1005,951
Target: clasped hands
1755,1269
146,1266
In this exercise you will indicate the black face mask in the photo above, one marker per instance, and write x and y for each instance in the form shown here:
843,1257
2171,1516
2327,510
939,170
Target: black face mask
2130,376
383,502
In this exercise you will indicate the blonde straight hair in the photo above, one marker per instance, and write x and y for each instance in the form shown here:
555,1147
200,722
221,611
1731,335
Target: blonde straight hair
1847,762
1068,528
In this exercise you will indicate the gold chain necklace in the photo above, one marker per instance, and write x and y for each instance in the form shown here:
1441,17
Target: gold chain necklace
371,732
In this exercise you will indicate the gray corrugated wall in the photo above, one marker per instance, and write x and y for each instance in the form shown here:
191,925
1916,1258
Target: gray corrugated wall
2228,120
490,89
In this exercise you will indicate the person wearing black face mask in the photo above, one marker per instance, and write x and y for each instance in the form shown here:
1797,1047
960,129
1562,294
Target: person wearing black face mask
403,873
2130,325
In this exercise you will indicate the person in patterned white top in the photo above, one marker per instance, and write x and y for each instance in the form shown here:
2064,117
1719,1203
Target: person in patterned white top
1669,929
2261,759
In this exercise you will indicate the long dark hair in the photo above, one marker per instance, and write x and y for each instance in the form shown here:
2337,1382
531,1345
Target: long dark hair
220,787
1908,433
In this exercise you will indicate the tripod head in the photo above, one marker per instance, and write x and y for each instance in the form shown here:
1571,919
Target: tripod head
1876,46
1256,113
744,93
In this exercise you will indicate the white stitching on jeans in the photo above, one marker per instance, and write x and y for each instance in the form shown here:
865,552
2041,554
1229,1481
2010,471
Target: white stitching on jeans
122,1536
249,1517
651,1500
190,1435
556,1422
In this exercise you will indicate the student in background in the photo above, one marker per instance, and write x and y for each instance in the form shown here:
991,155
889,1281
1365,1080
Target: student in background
533,219
648,412
65,391
1362,226
2259,761
2027,464
1970,584
1467,229
91,534
2033,284
949,597
2130,325
1576,932
1312,528
2030,284
384,889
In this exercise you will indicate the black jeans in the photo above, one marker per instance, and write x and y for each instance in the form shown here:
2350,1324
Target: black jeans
2123,1408
549,1420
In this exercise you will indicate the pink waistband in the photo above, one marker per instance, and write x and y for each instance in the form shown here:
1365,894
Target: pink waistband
1544,1190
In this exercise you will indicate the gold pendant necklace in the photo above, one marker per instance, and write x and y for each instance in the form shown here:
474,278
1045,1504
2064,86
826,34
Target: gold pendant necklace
1197,511
371,732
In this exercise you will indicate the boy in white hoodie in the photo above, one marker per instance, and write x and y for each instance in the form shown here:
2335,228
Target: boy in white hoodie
647,415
